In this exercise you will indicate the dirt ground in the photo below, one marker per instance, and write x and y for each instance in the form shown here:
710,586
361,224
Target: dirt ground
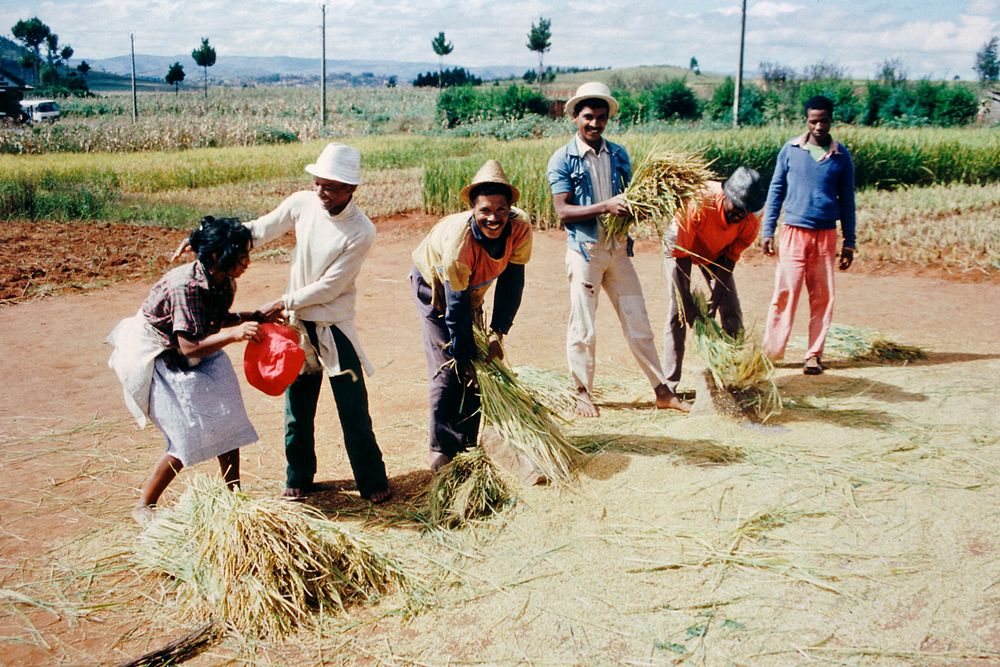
859,527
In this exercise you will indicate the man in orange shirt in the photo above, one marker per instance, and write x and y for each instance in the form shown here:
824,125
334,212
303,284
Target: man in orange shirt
711,234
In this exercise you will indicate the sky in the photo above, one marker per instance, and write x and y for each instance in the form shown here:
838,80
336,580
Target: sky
932,38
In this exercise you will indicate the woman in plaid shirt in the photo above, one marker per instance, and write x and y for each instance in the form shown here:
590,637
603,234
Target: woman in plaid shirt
170,361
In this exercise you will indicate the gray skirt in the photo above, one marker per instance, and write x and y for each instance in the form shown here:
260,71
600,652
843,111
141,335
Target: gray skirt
200,409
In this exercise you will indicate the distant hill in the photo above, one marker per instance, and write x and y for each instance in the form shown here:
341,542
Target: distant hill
276,69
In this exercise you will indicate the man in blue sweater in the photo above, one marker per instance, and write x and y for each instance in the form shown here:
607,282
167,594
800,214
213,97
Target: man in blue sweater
814,181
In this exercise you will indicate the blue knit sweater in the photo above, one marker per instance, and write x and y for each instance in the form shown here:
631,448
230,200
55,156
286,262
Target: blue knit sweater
814,194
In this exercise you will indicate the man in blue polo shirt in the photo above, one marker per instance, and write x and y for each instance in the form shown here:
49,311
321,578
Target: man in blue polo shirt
587,177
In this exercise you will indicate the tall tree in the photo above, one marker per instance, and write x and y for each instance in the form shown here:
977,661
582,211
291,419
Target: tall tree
52,48
693,65
540,40
65,53
987,65
174,76
442,47
31,33
83,68
204,56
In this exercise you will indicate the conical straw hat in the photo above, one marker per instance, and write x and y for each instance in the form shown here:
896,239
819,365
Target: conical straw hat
490,172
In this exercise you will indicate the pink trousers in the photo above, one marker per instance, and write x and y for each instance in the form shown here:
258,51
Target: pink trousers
804,255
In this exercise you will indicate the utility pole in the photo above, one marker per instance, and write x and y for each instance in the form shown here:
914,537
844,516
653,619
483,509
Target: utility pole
135,99
322,76
739,69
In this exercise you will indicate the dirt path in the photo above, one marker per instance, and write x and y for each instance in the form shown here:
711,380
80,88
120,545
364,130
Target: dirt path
71,463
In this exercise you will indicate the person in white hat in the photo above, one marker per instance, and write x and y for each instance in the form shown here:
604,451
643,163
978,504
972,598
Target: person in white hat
332,239
587,177
453,269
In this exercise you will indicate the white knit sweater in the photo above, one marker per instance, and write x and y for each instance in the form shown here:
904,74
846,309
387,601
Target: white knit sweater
329,251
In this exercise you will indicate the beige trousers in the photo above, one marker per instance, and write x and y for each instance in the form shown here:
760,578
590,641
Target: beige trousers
612,271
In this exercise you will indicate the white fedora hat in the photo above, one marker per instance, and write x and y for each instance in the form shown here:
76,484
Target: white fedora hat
338,162
591,90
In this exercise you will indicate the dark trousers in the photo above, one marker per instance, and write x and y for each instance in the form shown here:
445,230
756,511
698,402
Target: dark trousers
455,415
722,298
352,407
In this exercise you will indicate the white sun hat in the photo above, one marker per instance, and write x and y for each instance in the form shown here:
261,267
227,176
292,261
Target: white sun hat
338,162
589,91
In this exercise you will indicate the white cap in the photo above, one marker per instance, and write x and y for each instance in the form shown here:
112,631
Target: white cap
338,162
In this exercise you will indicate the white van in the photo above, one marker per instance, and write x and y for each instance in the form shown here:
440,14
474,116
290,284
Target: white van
35,111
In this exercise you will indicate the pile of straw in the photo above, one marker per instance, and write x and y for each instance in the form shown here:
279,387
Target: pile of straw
869,345
263,566
664,183
527,425
469,488
738,365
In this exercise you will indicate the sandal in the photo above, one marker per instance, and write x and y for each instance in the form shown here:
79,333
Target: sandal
812,366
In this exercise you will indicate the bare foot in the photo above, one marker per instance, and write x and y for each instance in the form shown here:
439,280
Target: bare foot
143,514
294,494
584,406
437,460
667,400
380,497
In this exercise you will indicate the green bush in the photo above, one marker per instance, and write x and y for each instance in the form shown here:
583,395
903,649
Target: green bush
673,100
465,104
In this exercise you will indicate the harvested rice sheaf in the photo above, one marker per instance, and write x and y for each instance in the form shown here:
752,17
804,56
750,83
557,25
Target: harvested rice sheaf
738,365
868,345
263,566
527,425
467,489
663,183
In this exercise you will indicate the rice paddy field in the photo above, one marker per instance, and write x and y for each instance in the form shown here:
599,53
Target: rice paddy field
856,527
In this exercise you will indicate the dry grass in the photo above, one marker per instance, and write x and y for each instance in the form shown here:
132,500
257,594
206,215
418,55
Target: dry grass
663,184
263,566
470,488
528,426
738,365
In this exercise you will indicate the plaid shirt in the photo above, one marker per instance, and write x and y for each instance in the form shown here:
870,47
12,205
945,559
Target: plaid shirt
185,301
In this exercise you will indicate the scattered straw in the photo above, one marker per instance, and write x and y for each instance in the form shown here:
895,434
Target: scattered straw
467,489
264,566
527,425
738,365
868,345
663,183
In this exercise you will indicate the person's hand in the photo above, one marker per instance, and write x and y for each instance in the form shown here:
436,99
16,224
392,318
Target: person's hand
767,246
846,258
617,207
273,311
247,331
494,348
181,249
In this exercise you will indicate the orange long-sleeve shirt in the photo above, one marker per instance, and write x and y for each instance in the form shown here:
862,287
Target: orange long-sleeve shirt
703,233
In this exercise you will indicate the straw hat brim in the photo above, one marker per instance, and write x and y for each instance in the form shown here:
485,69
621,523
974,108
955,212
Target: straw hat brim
576,99
491,172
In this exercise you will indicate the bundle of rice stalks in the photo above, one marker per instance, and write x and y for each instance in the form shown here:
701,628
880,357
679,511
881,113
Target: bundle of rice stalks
869,345
263,566
469,488
738,365
663,183
527,425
